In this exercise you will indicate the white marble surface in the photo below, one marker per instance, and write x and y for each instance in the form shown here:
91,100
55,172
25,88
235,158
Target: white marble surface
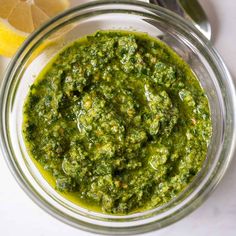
217,216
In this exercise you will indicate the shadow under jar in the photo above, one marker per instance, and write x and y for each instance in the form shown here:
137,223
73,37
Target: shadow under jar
86,19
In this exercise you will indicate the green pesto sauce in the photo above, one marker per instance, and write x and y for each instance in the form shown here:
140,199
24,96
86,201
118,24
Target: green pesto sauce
117,122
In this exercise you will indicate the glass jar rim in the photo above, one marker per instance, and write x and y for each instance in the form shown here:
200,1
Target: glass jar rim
25,50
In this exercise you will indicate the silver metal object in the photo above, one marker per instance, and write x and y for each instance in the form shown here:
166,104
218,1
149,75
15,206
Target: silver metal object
190,10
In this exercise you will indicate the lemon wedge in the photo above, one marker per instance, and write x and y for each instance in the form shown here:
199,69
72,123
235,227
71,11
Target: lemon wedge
18,18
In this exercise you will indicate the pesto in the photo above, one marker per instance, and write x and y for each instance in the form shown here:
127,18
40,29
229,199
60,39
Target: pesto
119,121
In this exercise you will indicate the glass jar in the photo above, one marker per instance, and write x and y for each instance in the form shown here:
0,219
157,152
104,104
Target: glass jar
204,61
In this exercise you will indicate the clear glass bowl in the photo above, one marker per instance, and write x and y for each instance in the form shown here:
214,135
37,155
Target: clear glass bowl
42,45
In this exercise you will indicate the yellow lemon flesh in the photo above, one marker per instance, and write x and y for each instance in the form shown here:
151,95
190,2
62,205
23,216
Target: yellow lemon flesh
18,18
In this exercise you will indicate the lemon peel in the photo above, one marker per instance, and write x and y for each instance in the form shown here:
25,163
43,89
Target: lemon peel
19,18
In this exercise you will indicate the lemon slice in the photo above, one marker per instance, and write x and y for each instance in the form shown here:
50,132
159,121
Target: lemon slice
18,18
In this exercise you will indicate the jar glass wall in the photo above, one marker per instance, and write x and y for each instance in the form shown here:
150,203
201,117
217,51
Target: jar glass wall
204,61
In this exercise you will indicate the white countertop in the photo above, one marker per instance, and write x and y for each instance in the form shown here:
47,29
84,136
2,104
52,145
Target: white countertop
217,216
